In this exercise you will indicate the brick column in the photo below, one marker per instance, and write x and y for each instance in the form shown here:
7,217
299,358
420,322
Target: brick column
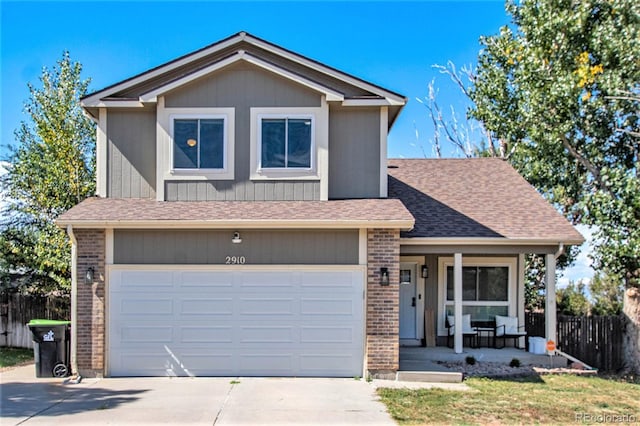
90,322
383,302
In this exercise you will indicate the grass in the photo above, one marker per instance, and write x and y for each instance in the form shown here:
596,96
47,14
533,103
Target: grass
14,356
550,399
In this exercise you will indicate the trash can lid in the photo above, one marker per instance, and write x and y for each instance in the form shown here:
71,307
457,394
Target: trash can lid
48,322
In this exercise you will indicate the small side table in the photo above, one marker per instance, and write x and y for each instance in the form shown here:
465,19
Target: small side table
487,332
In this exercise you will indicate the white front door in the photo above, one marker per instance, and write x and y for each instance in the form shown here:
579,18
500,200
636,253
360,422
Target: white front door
408,301
244,321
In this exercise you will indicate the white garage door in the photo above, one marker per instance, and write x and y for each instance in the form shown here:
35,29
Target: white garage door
212,322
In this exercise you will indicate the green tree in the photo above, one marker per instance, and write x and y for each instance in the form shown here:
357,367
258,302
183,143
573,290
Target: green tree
561,87
607,294
50,170
573,300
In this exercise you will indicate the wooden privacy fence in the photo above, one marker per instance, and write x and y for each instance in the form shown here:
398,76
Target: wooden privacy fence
16,310
595,340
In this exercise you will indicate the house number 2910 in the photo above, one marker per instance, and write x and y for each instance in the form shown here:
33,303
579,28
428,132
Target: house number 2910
235,260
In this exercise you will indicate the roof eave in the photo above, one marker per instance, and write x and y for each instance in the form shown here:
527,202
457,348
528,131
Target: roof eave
473,241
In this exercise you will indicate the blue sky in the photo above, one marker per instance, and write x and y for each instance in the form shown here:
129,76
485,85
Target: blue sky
392,44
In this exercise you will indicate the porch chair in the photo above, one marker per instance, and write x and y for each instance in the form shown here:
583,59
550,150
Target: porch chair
507,328
468,332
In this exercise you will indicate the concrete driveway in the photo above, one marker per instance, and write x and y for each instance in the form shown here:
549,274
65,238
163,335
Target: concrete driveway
217,401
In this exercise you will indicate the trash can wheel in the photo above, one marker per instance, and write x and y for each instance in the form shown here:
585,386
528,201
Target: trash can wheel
60,370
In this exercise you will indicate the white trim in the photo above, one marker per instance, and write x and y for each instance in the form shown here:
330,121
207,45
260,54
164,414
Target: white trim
370,102
421,288
384,128
484,241
240,55
497,261
550,297
114,104
74,300
101,153
320,144
362,246
240,224
164,142
108,241
521,285
457,303
161,137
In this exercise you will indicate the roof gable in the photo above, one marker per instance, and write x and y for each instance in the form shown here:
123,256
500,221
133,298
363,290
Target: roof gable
339,85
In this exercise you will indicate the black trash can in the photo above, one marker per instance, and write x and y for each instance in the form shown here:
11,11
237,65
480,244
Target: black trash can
51,347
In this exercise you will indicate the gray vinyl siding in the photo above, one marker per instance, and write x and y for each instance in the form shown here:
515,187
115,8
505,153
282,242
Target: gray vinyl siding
242,86
131,153
259,247
341,86
354,152
242,191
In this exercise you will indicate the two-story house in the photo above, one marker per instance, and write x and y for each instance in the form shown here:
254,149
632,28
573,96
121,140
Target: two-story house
247,222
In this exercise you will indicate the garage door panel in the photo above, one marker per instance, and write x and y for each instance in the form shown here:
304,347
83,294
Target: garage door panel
206,279
231,323
212,306
204,334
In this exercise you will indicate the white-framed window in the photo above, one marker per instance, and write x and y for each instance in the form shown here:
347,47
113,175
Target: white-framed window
286,141
289,143
488,288
195,143
198,142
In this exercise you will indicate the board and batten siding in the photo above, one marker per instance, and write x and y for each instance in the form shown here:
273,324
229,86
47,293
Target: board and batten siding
354,152
242,86
131,153
258,247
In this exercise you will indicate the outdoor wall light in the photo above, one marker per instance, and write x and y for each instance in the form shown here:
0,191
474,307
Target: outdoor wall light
384,276
236,238
88,278
192,142
425,271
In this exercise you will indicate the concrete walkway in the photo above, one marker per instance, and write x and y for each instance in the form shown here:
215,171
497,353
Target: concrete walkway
219,401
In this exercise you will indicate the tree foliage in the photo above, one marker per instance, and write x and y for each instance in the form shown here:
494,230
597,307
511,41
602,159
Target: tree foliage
560,86
50,170
607,293
573,300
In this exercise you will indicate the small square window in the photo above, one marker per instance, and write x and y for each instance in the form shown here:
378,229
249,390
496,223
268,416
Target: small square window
286,143
198,143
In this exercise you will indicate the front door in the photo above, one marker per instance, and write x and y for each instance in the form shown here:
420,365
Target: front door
408,301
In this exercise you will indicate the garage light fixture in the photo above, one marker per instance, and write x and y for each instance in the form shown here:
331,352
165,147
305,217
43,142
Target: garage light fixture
236,238
384,276
88,278
425,271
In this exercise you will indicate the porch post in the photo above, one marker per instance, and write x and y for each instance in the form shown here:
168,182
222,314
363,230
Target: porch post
457,303
550,304
520,308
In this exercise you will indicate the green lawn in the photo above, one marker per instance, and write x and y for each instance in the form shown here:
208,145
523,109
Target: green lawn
14,356
549,399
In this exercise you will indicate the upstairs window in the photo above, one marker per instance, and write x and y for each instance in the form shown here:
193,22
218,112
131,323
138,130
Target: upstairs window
286,142
199,143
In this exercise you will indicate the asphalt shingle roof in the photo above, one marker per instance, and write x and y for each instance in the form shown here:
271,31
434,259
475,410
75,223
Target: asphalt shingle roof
129,212
474,198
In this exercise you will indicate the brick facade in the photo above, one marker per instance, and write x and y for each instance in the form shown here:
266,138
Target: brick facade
90,299
383,302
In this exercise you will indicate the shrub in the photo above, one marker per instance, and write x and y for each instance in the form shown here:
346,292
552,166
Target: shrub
515,363
470,360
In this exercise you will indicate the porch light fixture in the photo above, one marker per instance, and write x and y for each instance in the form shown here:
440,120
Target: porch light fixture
384,276
424,271
88,277
236,238
192,142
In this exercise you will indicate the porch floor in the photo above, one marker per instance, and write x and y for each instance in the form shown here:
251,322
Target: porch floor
426,359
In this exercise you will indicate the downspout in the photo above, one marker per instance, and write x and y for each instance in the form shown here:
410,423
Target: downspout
560,251
74,299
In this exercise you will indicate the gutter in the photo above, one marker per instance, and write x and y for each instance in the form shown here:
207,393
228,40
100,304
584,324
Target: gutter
74,300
